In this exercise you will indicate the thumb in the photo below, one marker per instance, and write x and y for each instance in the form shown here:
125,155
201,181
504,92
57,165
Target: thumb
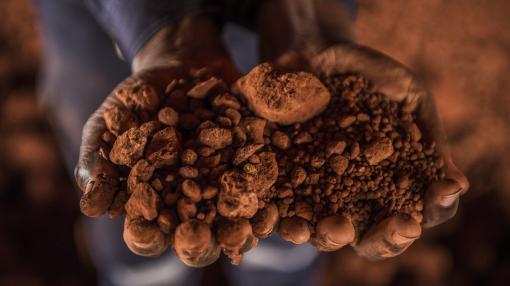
90,143
454,173
97,178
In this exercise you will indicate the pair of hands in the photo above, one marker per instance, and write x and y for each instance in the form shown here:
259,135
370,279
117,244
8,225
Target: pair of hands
311,35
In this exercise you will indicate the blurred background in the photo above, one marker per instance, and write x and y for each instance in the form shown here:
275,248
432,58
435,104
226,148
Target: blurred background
461,48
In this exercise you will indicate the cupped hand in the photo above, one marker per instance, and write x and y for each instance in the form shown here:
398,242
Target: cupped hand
394,234
192,43
317,36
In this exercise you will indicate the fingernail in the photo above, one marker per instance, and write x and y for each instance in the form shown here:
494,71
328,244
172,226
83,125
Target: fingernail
448,200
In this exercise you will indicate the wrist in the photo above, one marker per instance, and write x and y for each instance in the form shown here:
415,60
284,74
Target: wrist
303,26
193,41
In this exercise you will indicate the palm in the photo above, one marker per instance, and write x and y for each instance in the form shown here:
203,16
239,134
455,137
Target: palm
393,235
99,178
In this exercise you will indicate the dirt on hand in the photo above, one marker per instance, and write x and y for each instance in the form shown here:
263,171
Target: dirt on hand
206,169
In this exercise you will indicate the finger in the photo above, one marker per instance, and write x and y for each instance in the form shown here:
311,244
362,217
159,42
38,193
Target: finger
332,233
91,132
101,187
235,237
295,230
441,202
452,172
265,221
95,125
195,245
144,237
389,238
442,197
431,126
88,149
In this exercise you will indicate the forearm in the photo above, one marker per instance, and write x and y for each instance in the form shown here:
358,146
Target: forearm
193,39
304,26
131,23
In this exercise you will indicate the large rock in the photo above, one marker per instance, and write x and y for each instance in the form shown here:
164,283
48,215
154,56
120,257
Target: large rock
285,98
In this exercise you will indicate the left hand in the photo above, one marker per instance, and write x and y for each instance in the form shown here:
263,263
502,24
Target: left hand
316,36
394,234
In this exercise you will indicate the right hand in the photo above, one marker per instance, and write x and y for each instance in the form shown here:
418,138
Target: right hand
193,42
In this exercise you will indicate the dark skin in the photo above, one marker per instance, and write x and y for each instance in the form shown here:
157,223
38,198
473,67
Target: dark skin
313,35
316,35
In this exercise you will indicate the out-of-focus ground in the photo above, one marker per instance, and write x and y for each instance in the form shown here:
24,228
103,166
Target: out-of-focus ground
38,209
461,48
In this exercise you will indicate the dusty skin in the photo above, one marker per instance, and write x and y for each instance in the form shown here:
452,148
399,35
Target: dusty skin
207,170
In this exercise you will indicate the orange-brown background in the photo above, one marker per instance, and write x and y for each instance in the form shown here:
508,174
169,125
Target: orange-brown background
461,48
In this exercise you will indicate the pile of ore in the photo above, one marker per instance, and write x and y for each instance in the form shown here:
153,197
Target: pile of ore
206,168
